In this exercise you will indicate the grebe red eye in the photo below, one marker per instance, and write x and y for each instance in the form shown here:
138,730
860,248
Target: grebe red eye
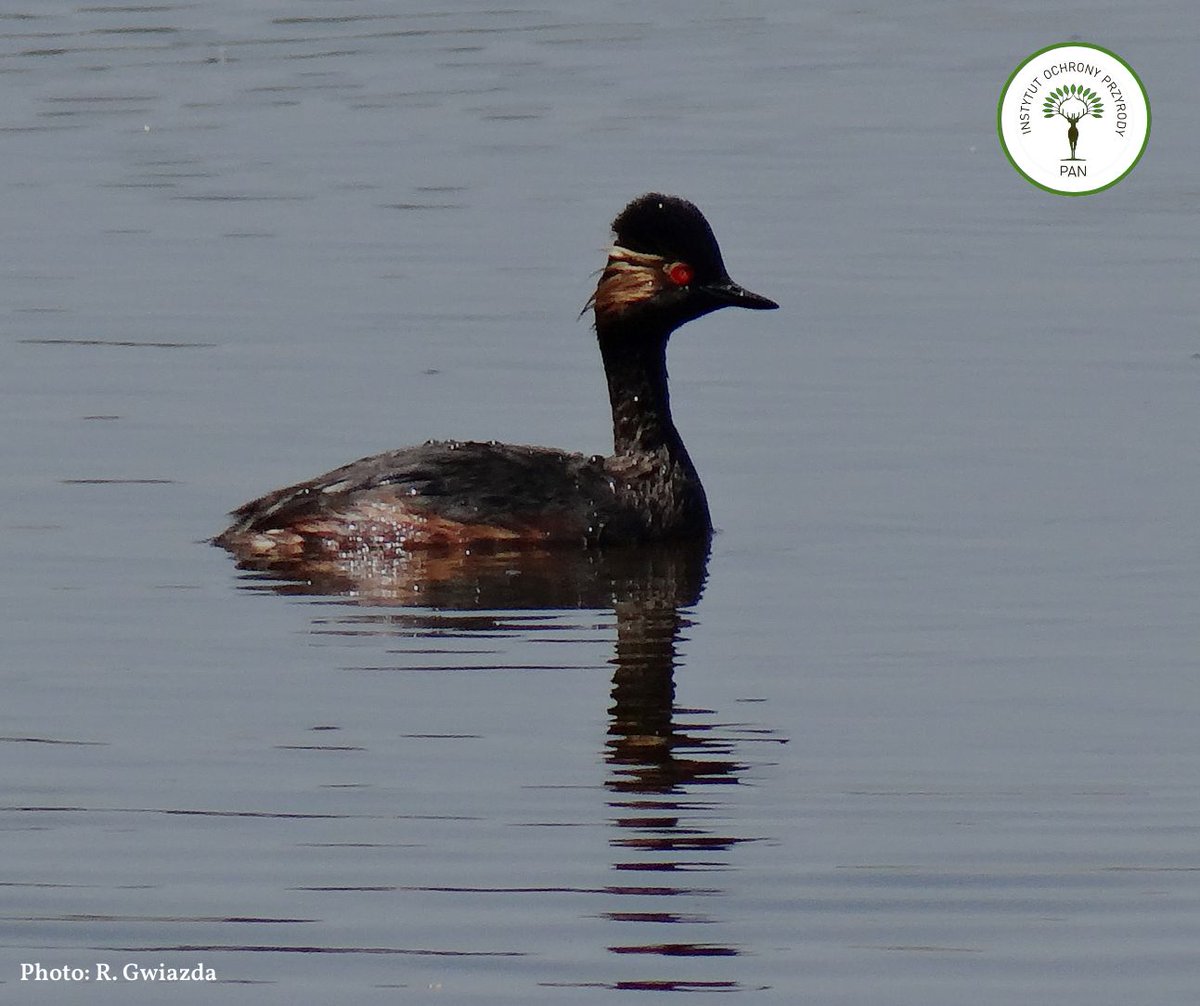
681,274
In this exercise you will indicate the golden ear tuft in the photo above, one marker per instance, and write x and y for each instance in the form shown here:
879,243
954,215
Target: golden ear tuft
629,278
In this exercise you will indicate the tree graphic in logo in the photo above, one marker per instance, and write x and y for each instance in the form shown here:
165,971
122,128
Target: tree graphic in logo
1073,102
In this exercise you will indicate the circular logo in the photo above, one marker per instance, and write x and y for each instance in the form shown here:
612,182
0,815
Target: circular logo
1073,119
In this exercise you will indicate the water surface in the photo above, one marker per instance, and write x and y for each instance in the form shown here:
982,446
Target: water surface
922,727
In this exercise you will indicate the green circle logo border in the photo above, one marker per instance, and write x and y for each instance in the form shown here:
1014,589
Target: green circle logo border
1021,66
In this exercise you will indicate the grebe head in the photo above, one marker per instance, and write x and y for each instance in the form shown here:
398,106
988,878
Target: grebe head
665,268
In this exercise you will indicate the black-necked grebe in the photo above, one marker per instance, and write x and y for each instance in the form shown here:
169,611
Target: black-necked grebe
664,269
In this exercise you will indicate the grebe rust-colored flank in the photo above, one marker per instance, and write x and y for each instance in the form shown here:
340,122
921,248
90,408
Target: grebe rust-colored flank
664,269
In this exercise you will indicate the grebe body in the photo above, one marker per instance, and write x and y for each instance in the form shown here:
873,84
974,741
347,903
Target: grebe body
664,269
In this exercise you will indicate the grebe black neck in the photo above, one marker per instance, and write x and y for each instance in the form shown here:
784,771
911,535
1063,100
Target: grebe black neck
635,366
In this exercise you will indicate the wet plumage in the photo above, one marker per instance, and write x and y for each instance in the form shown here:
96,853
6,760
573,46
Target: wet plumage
664,269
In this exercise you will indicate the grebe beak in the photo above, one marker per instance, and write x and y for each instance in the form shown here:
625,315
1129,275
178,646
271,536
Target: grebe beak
729,294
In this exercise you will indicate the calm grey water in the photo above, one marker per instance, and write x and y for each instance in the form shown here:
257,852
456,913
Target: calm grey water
930,734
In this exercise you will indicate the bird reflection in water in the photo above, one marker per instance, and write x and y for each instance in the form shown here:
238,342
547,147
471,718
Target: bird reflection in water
663,760
657,762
